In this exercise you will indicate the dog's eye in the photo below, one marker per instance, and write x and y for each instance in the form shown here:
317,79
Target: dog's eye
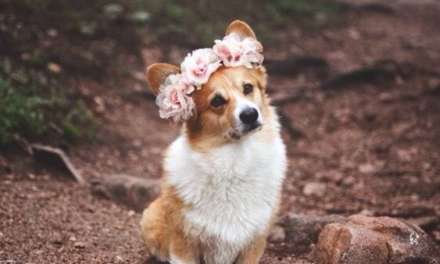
247,88
218,101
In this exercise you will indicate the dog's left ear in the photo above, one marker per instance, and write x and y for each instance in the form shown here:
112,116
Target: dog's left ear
157,73
241,28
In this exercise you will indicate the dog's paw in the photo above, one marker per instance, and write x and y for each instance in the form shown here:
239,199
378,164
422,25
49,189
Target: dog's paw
154,260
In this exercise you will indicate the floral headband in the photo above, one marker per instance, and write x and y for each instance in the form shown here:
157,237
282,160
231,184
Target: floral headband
174,98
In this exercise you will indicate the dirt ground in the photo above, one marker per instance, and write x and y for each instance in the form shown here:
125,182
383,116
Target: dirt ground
365,143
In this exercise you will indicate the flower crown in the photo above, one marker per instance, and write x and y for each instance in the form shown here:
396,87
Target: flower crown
174,97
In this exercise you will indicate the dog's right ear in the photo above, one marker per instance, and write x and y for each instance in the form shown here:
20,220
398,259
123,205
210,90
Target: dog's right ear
157,73
241,28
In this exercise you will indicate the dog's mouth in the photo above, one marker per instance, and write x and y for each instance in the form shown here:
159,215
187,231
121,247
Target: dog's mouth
244,130
249,128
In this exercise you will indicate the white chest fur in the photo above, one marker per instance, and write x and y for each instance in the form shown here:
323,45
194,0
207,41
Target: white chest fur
232,189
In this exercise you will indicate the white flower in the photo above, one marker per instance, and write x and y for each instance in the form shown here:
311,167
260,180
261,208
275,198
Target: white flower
252,52
174,99
198,66
234,51
229,50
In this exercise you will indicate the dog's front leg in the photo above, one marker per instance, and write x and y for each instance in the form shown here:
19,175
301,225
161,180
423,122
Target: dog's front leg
183,251
253,253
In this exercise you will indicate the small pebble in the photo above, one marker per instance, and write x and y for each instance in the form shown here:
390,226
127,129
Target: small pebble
437,236
277,234
131,213
118,259
314,188
367,168
79,244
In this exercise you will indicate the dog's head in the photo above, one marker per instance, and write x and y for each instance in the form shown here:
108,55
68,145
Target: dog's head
230,105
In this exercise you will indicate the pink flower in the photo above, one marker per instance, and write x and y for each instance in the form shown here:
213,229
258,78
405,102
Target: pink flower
174,99
198,66
234,51
229,50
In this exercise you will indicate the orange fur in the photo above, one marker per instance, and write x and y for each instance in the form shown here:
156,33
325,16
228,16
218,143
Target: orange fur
241,28
162,228
157,73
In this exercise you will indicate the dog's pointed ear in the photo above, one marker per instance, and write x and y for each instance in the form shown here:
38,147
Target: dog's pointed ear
157,73
241,28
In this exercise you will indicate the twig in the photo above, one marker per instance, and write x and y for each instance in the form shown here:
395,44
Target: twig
58,159
370,74
294,65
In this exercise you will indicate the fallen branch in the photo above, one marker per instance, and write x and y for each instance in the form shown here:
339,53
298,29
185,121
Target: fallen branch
410,211
56,158
295,65
380,73
368,7
377,8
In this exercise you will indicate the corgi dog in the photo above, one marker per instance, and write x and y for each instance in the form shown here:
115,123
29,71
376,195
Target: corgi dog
222,176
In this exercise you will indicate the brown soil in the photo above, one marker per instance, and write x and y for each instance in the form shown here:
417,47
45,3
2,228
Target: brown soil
364,147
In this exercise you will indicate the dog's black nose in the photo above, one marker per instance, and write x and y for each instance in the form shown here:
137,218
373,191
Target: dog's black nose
249,115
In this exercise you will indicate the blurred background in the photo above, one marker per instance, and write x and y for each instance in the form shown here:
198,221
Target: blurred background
356,83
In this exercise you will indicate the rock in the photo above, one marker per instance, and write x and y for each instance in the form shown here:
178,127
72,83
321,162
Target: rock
140,16
386,97
131,213
113,11
88,29
54,67
349,181
52,32
57,239
118,259
330,175
354,33
437,236
80,245
302,231
129,190
314,188
277,234
378,240
56,158
367,168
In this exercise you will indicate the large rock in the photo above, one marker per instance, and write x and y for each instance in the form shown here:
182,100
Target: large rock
378,240
129,190
302,231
